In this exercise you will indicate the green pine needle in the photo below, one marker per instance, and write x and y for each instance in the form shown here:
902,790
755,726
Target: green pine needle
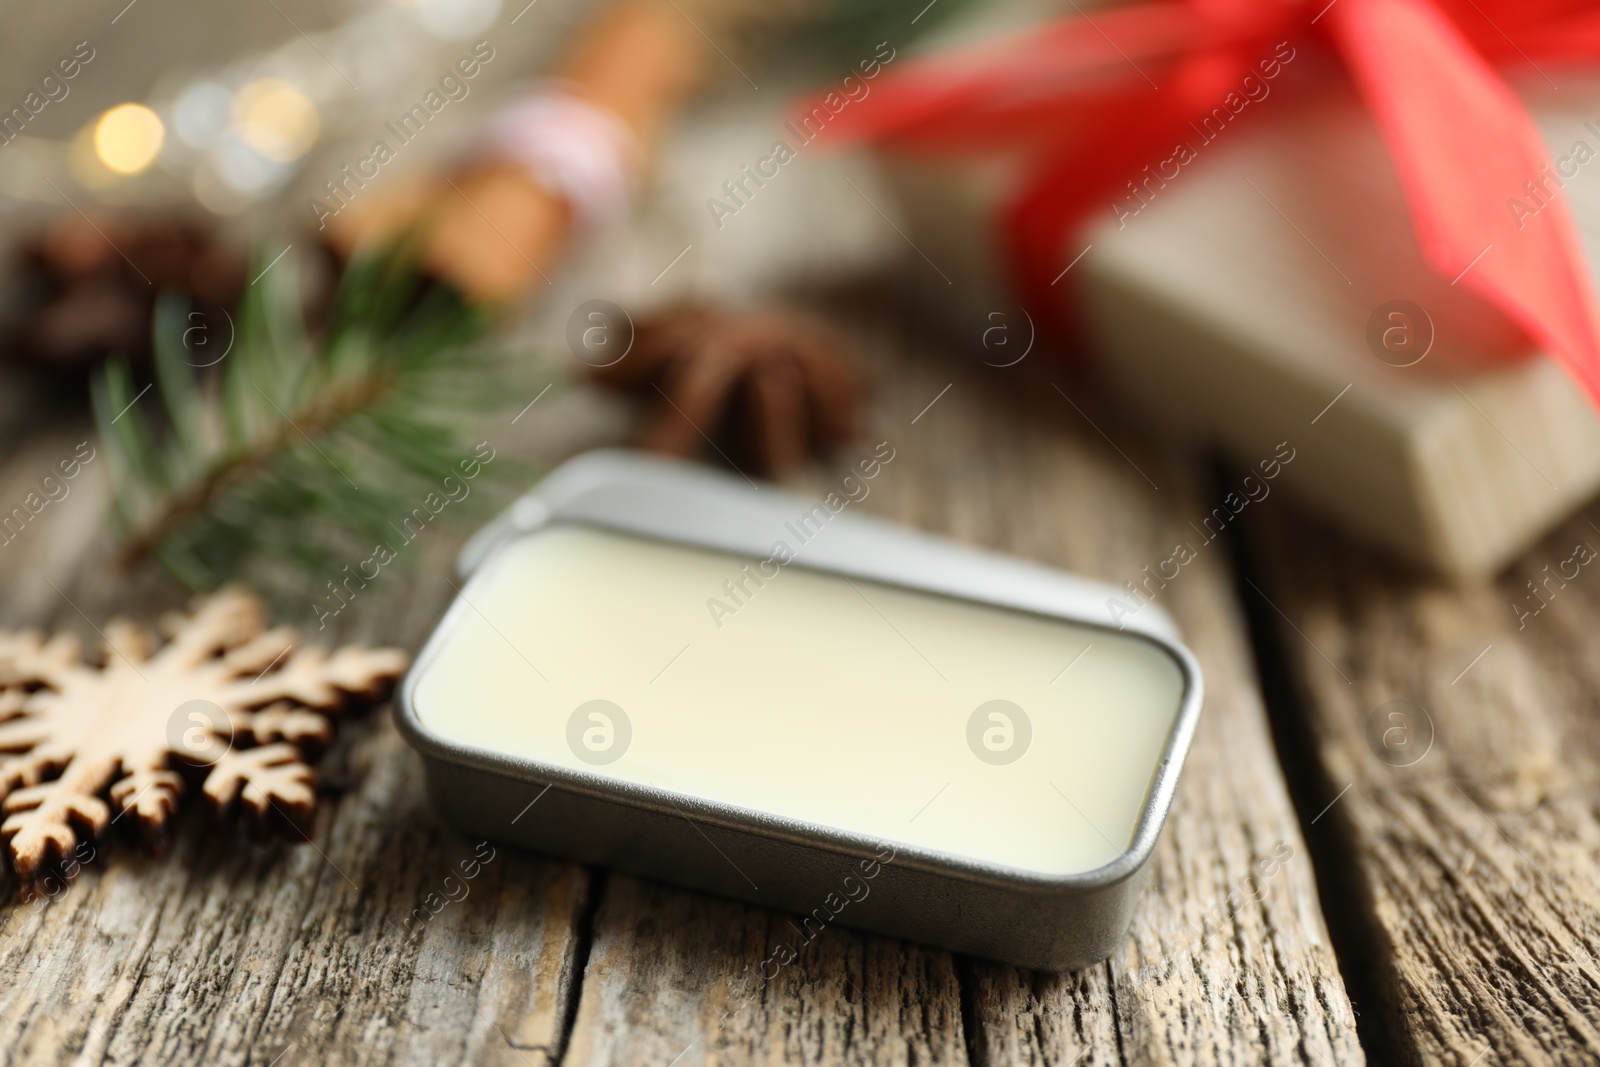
293,447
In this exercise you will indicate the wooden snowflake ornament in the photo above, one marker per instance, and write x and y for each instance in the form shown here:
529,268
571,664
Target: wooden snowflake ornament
225,698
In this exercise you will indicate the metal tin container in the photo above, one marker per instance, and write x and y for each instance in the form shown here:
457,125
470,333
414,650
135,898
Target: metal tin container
781,757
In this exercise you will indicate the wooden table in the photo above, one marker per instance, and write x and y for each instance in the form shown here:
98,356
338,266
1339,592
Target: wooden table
1310,902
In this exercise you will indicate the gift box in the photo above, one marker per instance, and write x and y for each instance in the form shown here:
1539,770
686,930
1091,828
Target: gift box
1267,282
1279,295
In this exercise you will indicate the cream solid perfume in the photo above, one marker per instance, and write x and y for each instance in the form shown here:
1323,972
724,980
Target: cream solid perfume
658,668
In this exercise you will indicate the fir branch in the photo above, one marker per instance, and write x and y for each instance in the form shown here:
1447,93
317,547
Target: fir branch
232,467
293,445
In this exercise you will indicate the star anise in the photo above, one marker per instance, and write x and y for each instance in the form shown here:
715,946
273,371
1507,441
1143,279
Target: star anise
765,388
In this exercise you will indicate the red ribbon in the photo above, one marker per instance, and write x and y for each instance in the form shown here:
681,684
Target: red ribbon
1092,98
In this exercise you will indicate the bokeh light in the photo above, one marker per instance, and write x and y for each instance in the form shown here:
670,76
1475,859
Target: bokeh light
457,20
202,112
128,137
276,119
242,167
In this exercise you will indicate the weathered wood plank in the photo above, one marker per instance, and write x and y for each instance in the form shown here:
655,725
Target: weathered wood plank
229,952
674,976
349,947
1199,981
1471,863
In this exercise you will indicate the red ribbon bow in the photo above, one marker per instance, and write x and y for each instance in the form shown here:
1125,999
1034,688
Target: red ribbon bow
1092,98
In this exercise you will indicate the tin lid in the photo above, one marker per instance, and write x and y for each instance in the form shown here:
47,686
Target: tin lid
673,500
